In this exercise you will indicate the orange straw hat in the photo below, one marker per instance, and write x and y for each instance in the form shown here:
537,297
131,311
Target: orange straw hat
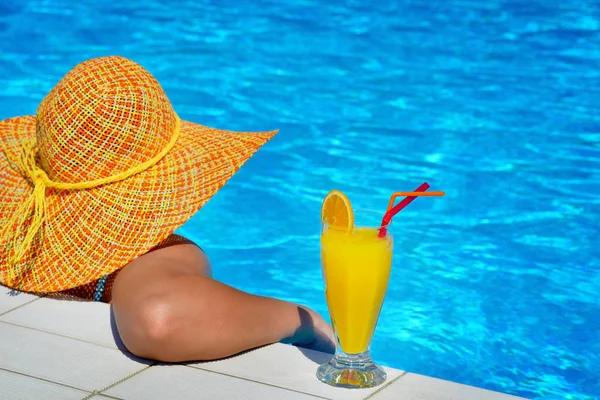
104,172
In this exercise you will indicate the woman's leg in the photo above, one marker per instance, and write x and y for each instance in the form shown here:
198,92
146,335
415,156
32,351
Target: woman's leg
167,307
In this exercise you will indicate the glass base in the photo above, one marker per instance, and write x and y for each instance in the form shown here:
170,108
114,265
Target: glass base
353,371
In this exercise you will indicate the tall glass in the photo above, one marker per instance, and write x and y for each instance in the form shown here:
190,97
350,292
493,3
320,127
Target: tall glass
356,270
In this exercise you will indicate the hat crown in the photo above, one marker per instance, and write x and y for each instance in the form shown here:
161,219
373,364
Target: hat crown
105,116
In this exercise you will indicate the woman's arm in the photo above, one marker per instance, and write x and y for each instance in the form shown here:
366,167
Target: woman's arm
168,308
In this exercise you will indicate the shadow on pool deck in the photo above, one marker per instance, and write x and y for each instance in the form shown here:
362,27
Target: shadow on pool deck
315,356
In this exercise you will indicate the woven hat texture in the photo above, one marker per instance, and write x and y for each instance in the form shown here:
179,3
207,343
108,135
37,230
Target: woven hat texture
101,174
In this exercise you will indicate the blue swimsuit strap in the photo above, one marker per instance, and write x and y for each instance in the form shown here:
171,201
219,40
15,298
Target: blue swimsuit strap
99,293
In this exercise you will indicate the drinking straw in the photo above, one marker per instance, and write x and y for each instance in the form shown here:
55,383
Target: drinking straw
393,210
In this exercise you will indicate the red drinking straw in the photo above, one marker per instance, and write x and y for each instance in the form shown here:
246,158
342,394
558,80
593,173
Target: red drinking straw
387,218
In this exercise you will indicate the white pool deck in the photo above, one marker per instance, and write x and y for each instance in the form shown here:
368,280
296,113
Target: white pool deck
66,349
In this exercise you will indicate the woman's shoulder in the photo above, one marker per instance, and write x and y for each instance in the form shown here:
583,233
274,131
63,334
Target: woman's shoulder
174,240
177,250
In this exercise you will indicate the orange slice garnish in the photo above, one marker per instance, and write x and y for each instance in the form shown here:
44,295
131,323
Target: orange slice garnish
337,210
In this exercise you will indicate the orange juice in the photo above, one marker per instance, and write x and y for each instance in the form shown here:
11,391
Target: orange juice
356,270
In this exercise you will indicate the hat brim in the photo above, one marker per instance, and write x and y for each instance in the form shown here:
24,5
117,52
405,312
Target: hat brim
91,233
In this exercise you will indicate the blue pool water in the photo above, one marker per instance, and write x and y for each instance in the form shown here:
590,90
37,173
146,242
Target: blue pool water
496,102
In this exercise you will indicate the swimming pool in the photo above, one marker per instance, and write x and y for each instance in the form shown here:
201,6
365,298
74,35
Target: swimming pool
494,102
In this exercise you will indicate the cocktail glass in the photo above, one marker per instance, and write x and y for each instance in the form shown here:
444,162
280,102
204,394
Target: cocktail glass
356,265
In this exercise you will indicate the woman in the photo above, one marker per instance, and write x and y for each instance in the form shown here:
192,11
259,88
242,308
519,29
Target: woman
92,189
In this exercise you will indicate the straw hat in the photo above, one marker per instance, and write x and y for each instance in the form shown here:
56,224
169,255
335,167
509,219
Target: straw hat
104,172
